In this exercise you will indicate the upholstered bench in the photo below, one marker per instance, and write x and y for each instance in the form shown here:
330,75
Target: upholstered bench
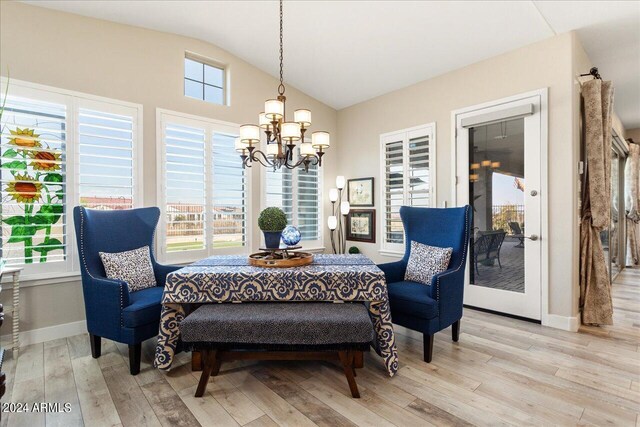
278,331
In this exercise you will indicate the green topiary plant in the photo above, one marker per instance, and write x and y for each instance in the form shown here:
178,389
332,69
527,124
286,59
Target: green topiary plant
272,219
354,250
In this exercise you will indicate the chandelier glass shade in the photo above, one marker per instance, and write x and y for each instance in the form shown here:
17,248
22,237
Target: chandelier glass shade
282,137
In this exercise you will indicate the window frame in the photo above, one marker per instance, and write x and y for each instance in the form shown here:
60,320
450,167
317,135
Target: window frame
210,127
310,245
405,135
74,101
212,63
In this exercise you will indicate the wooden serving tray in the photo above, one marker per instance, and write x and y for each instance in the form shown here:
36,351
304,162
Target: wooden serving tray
280,259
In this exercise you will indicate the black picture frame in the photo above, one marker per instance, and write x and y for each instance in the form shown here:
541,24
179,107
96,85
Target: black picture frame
367,185
369,236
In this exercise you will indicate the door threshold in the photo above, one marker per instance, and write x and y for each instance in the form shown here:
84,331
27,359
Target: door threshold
511,316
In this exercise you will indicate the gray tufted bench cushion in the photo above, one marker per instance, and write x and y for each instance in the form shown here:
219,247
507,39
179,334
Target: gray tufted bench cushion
280,324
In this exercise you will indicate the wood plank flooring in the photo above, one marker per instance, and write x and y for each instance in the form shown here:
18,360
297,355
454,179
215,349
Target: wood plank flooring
501,372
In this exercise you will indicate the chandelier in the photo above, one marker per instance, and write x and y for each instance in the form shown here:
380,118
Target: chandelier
281,135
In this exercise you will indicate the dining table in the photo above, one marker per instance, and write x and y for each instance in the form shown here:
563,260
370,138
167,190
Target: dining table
230,279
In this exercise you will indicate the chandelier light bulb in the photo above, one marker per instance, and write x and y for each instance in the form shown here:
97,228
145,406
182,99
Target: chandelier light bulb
320,139
306,149
340,182
239,146
303,117
291,131
344,208
486,163
474,166
274,109
332,222
495,165
333,195
250,134
264,121
272,149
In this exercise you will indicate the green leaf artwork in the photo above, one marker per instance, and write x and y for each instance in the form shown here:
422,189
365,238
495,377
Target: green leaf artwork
35,184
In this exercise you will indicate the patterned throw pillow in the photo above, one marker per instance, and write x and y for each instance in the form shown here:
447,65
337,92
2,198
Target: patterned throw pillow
133,267
426,261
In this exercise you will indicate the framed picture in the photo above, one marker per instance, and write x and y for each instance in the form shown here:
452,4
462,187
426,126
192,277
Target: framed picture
361,225
360,192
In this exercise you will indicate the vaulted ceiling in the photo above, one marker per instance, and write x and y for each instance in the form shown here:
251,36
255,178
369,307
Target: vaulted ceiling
345,52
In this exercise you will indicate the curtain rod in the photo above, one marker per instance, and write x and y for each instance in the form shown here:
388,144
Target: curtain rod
593,72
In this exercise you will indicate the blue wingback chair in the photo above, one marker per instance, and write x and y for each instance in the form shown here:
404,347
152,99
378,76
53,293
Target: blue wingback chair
112,311
431,308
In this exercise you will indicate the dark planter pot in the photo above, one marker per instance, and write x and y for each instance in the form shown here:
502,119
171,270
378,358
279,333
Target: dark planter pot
272,239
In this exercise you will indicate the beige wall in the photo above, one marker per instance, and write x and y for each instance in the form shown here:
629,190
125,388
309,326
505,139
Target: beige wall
544,64
634,134
137,65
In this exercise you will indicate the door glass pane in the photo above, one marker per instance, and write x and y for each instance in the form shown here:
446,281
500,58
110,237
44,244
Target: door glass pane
497,184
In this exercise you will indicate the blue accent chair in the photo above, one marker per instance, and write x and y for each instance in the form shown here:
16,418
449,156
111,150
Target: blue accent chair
112,311
431,308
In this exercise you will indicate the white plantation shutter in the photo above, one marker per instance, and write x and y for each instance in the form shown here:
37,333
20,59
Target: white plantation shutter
309,203
184,187
106,157
418,164
279,192
407,169
393,191
204,192
33,178
297,193
229,194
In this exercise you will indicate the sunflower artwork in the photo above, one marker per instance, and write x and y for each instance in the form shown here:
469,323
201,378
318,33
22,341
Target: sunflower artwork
32,190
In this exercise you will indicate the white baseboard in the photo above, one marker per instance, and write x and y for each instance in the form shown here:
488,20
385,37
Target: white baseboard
49,333
566,323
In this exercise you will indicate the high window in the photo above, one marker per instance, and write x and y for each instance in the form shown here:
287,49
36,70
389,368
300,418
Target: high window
203,190
59,149
204,80
408,173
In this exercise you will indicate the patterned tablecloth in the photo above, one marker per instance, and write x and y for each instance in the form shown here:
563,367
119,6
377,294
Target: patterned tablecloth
231,279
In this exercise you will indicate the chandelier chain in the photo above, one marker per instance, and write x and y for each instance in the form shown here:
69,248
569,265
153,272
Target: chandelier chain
281,86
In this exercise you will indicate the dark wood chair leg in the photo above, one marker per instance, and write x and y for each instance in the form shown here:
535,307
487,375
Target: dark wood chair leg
346,357
96,345
455,331
196,361
135,350
209,358
428,347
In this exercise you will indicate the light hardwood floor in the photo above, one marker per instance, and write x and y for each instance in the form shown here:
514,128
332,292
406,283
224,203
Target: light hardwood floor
501,372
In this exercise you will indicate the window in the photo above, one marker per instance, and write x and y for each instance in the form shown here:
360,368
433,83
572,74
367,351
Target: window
298,194
59,149
408,173
203,188
204,81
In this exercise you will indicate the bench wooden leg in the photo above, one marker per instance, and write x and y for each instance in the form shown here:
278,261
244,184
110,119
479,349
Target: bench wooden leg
346,357
209,357
196,361
358,361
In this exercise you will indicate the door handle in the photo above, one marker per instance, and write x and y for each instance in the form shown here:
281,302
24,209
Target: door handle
533,237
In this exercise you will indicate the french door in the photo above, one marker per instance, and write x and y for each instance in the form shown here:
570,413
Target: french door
499,163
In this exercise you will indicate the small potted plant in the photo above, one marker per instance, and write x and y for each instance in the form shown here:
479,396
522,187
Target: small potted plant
272,221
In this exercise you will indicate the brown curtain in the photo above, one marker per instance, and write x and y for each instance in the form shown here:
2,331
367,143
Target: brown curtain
595,283
632,204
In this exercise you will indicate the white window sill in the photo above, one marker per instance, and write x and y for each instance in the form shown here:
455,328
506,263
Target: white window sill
29,280
394,254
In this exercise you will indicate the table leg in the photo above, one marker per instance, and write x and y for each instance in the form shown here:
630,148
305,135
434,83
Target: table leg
15,316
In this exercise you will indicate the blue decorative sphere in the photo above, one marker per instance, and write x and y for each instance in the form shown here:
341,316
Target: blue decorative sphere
291,235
